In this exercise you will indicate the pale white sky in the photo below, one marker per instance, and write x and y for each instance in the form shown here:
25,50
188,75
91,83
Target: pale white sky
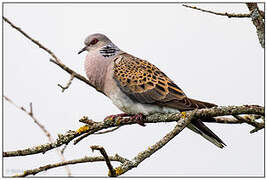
212,58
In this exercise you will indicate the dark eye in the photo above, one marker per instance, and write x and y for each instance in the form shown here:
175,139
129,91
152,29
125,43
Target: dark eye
94,41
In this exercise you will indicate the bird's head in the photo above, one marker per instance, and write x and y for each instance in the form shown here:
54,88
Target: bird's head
95,41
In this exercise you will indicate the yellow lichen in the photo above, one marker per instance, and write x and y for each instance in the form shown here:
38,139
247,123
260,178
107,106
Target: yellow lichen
83,129
118,122
247,117
183,114
118,171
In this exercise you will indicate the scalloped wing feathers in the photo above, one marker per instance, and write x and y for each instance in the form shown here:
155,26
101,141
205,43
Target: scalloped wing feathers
145,83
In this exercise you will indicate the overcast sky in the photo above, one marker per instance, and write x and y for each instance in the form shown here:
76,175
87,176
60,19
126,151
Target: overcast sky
212,58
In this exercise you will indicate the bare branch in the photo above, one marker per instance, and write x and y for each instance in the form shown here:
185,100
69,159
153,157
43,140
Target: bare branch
56,61
75,161
181,124
68,84
255,14
112,172
154,118
63,149
30,113
107,131
258,21
250,121
33,40
93,132
229,15
75,74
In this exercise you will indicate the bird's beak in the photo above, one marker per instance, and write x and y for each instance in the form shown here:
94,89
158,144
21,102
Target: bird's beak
83,49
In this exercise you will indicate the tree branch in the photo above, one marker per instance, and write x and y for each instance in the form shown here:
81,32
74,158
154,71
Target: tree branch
33,40
70,162
154,118
229,15
30,113
75,74
181,124
258,21
56,61
104,154
68,84
255,14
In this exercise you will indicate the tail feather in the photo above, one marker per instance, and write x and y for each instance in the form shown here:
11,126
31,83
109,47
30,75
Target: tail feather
201,104
199,127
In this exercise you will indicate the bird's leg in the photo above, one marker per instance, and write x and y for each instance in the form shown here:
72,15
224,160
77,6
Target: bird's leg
117,115
139,119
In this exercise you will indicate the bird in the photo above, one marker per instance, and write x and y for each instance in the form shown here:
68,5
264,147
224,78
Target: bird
137,87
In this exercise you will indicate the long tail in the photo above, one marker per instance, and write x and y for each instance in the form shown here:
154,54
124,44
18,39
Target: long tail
200,128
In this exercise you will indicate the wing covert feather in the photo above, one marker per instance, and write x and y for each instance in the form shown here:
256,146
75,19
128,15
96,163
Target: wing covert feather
145,83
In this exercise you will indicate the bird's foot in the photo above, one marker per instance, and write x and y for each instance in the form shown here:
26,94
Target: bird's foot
117,115
139,119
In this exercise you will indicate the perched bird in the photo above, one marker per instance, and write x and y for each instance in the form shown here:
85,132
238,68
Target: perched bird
136,86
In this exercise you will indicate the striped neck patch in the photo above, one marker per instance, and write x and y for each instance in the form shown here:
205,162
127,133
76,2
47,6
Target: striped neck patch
109,50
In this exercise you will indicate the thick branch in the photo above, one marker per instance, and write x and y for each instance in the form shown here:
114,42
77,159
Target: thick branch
258,21
154,118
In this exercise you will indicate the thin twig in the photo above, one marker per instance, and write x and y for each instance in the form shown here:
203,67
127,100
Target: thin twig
153,118
68,84
33,40
112,172
229,15
84,136
248,121
51,140
107,131
70,162
94,133
75,74
30,113
63,149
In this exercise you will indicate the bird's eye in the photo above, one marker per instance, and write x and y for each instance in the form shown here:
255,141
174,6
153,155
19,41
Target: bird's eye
94,41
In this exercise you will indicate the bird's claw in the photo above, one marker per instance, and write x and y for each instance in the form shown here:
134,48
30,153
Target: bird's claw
139,119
